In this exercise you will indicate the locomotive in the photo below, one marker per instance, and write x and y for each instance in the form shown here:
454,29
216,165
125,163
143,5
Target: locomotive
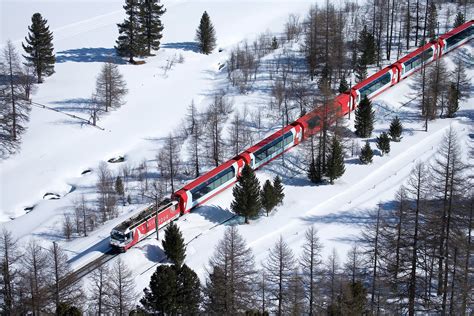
134,229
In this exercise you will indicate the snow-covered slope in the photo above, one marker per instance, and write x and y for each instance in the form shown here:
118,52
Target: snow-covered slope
56,148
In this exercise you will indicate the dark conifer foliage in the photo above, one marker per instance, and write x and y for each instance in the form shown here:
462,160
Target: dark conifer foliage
367,46
130,42
206,35
360,69
173,245
278,186
335,167
396,129
246,195
315,172
39,47
268,197
366,154
151,26
364,118
188,294
453,100
459,20
274,43
160,297
343,86
383,143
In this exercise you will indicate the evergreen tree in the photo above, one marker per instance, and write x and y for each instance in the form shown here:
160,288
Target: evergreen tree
459,20
335,167
188,295
383,143
130,42
173,245
432,21
315,173
246,194
360,69
366,154
453,100
206,35
395,130
268,197
160,296
364,118
39,47
274,43
119,186
343,86
150,20
278,187
367,46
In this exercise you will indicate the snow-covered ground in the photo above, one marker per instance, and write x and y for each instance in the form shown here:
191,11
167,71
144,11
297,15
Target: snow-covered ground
56,149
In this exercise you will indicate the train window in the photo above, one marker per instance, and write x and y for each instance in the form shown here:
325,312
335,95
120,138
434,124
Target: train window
117,235
313,122
416,61
453,40
375,85
213,183
275,146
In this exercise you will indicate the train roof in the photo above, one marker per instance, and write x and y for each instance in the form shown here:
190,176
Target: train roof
270,138
457,30
373,77
416,52
148,212
208,175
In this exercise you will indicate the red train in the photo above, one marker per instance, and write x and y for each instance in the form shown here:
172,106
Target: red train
129,232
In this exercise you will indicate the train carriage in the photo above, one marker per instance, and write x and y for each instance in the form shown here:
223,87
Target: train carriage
456,37
413,62
273,146
206,186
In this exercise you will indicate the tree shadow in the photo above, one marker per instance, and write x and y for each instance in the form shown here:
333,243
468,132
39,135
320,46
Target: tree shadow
186,46
101,246
153,253
78,105
89,55
213,213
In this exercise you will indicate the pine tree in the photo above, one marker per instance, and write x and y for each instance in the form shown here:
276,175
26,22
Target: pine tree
432,21
206,35
367,46
383,143
246,194
150,20
278,187
343,86
335,167
395,130
39,47
315,172
173,245
188,295
160,296
453,100
268,197
366,154
459,20
360,69
130,42
364,118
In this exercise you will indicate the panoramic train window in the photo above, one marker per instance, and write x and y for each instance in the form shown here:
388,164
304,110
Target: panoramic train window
416,61
213,183
453,40
275,146
313,122
375,85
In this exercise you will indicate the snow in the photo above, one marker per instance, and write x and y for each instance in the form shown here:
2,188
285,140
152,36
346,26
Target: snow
57,149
